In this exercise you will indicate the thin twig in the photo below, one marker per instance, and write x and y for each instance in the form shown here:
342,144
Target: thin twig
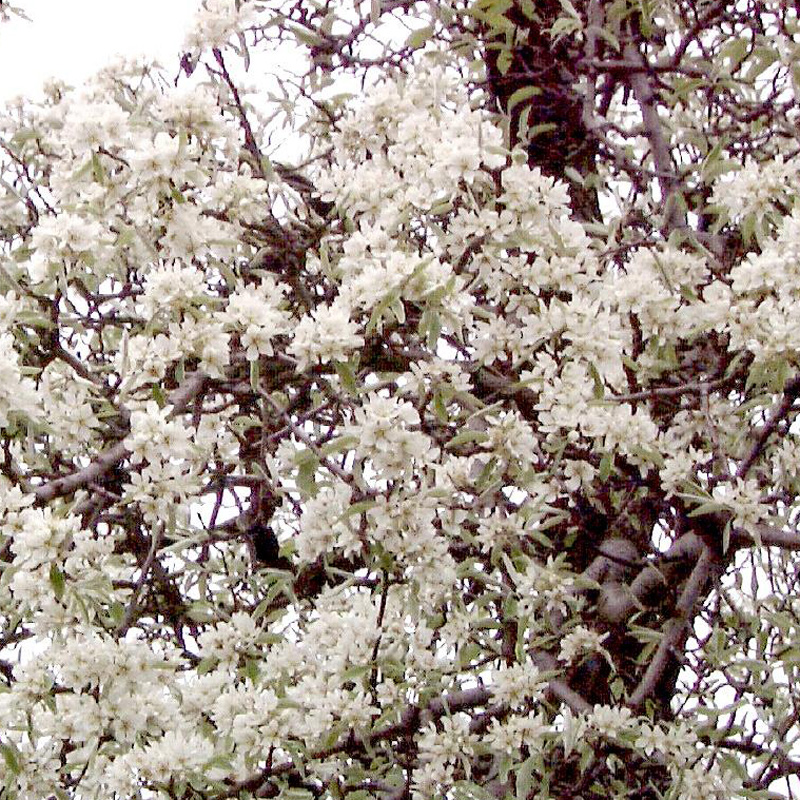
133,605
790,393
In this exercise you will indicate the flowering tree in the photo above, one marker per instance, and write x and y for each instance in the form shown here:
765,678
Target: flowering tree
454,460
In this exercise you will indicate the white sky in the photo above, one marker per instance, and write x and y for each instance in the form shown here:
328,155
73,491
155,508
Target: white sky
72,39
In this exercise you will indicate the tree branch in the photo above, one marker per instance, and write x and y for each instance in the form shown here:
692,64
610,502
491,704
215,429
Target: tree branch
767,536
179,399
412,720
790,393
676,629
662,159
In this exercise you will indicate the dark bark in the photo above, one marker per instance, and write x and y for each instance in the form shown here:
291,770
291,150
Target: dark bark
534,60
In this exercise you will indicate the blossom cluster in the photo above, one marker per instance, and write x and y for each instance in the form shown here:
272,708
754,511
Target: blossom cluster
287,492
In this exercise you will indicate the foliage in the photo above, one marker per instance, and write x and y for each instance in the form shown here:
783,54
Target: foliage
400,404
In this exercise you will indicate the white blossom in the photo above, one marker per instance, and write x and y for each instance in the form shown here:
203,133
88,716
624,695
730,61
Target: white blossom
579,641
326,334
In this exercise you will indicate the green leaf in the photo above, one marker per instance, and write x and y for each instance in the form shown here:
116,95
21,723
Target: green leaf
570,9
468,653
504,61
339,444
762,58
306,475
419,37
441,207
709,169
24,135
632,365
306,36
159,396
575,176
748,229
440,408
398,309
251,670
177,195
11,757
545,127
201,611
487,474
57,581
430,326
706,508
254,375
347,376
734,51
358,508
376,317
466,437
524,124
116,612
606,465
242,424
206,665
521,95
492,12
274,590
648,455
98,171
598,390
355,671
565,26
606,34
